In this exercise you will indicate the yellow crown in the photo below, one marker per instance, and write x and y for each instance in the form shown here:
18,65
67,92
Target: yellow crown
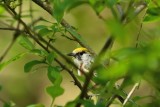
77,50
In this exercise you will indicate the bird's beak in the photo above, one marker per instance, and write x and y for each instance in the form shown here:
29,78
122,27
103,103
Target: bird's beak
71,54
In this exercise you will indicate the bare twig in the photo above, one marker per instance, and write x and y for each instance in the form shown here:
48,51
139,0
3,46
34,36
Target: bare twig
120,10
130,93
31,10
139,32
8,48
138,35
12,29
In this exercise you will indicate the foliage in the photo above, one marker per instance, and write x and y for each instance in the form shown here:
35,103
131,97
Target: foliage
132,63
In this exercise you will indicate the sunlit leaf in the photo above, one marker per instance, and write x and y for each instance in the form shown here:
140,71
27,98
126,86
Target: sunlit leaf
25,42
2,65
54,91
28,66
1,10
36,105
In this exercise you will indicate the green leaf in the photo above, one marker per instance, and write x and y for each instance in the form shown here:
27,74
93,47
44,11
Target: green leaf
54,75
1,10
98,6
0,87
154,11
50,58
114,72
111,3
153,14
2,65
117,29
54,91
28,66
147,1
88,103
150,18
39,52
7,105
71,104
25,42
59,8
92,2
124,53
36,105
38,27
76,3
45,32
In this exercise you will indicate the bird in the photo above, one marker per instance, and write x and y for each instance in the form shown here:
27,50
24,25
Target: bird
83,59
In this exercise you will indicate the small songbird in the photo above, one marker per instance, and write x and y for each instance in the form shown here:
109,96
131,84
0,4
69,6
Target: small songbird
83,59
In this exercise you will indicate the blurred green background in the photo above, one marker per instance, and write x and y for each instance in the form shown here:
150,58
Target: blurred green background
29,88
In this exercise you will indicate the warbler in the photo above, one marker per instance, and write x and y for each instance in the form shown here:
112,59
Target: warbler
83,59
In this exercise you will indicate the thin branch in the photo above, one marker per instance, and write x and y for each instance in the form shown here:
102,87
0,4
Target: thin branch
12,29
31,10
139,32
120,10
138,35
139,9
52,103
9,47
130,93
109,102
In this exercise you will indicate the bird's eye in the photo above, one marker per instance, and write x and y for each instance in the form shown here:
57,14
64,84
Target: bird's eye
81,53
